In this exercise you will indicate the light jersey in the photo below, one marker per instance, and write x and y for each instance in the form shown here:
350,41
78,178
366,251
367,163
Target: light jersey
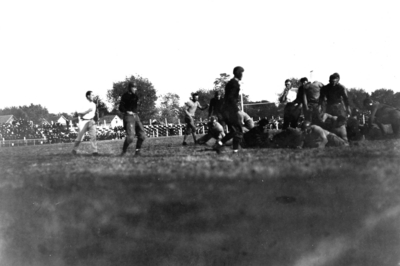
91,114
291,96
191,107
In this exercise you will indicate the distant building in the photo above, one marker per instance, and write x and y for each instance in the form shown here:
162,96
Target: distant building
62,120
6,119
111,121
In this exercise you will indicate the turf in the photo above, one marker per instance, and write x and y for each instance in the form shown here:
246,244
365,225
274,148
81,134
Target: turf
179,205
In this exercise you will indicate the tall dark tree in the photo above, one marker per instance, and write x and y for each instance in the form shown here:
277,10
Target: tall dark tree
383,96
145,91
396,100
356,97
32,112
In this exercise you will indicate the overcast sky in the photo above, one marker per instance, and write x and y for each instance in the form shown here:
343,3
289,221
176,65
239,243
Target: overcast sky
52,52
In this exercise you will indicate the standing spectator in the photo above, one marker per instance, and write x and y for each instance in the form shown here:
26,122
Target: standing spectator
132,123
292,110
87,124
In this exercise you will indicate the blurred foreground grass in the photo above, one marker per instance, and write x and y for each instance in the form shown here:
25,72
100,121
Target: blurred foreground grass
187,206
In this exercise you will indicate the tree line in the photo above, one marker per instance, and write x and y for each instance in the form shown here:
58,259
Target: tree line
171,110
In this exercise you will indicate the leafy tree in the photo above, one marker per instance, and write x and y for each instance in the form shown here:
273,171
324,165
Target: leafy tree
17,112
101,108
145,91
32,112
169,108
396,100
356,98
220,82
383,96
295,82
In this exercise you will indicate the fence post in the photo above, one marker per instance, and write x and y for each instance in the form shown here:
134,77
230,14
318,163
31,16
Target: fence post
203,129
157,132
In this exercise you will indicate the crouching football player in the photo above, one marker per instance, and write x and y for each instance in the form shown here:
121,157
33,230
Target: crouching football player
215,130
383,114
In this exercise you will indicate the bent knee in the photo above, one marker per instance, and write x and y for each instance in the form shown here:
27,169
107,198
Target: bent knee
129,139
142,136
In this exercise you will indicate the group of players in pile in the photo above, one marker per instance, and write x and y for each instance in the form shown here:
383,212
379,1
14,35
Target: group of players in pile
324,124
328,119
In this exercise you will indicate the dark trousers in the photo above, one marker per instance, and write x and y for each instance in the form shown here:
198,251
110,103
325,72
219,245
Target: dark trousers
291,115
336,109
133,126
313,114
234,122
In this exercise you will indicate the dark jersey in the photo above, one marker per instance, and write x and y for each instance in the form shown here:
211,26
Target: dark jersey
232,89
334,94
129,102
215,106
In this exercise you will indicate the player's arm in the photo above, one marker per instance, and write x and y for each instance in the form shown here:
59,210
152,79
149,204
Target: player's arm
304,102
122,105
321,98
210,107
85,112
343,133
345,98
201,107
321,134
186,110
373,113
283,98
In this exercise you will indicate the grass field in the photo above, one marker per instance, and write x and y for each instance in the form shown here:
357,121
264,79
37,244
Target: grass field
186,206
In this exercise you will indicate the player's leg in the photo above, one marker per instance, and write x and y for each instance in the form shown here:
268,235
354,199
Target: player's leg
78,140
193,127
92,134
141,134
335,141
188,130
204,139
287,116
129,126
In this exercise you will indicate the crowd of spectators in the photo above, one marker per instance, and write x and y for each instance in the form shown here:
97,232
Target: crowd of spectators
20,129
52,133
